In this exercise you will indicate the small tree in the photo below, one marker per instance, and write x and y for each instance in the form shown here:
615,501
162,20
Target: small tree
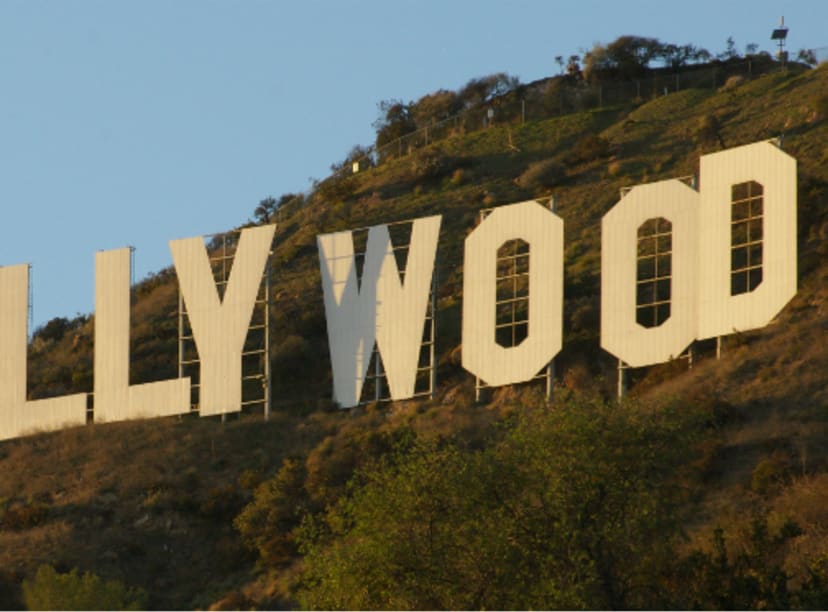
484,89
54,330
435,107
807,56
573,68
676,56
730,52
395,121
627,57
710,129
559,60
265,212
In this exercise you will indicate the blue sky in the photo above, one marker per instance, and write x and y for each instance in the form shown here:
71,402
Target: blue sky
134,123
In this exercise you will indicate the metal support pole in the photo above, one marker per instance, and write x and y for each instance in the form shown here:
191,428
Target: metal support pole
223,291
690,358
180,334
223,264
432,339
622,380
376,374
30,304
477,388
267,342
523,111
550,381
718,347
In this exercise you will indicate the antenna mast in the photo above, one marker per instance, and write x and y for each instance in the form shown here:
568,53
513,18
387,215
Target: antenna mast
779,35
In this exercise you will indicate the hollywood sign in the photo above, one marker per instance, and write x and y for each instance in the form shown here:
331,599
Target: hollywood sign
731,267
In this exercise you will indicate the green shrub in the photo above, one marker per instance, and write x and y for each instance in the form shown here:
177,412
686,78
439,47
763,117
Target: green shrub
23,516
573,508
542,175
710,130
587,149
278,506
429,164
336,188
770,472
50,590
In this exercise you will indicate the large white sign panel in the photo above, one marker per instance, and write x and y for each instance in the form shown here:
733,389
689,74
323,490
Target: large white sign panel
220,325
219,330
18,416
621,335
729,271
115,398
379,309
721,313
481,354
402,305
702,253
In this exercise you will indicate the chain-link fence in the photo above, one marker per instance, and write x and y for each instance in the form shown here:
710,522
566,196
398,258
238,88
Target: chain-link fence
562,95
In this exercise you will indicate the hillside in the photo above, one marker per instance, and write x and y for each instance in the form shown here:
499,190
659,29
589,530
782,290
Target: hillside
153,504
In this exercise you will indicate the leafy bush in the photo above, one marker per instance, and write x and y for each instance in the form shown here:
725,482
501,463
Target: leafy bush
573,508
50,590
771,472
336,188
587,149
710,130
542,175
627,57
750,577
54,329
429,164
484,89
394,122
19,516
278,506
436,107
